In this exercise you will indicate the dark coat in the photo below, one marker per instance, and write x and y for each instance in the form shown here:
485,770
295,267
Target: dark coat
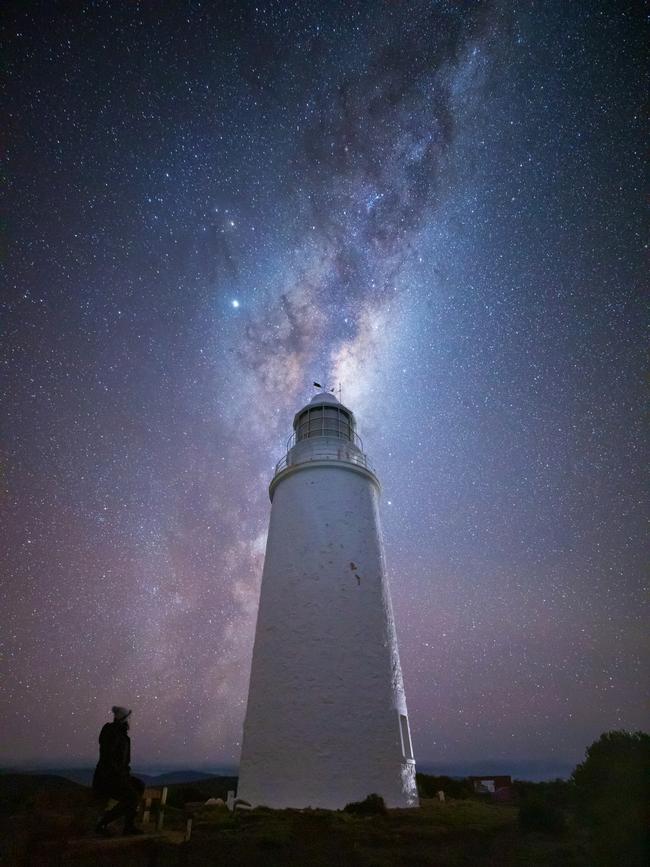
114,764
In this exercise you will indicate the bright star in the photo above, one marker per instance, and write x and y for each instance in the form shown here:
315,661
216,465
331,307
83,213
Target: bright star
235,303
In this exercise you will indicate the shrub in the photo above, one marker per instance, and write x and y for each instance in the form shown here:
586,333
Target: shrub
616,770
559,792
536,814
612,792
373,805
429,786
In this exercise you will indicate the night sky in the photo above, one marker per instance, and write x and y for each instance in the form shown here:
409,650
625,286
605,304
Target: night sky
210,205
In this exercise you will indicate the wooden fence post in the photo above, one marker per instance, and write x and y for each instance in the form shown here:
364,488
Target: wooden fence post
161,813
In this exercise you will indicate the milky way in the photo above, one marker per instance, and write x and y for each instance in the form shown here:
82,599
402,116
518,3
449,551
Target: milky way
436,206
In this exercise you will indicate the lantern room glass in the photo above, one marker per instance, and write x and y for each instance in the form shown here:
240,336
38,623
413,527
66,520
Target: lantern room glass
324,421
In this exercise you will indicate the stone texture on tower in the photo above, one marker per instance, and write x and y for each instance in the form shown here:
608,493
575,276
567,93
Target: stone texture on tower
326,721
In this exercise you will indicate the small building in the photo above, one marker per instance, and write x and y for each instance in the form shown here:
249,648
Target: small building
499,786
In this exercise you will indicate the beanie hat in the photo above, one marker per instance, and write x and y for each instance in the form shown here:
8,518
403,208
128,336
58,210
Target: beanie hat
121,713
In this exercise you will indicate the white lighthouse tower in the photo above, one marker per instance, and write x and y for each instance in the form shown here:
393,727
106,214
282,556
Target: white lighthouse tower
326,722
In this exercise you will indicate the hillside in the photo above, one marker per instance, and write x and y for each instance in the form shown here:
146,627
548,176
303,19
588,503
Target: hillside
18,791
84,776
52,819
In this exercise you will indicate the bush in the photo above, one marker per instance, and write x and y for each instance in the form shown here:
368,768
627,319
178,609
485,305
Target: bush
200,790
559,792
538,815
612,792
373,805
616,769
429,786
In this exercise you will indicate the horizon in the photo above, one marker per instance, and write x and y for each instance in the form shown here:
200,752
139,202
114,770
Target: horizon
538,767
531,770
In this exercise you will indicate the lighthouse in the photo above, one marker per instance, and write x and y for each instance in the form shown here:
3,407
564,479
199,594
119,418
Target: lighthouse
326,721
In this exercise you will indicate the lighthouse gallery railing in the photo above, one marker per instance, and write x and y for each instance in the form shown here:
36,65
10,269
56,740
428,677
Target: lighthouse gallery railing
324,447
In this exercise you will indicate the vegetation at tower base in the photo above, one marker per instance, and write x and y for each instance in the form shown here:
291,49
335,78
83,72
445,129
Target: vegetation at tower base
595,819
373,805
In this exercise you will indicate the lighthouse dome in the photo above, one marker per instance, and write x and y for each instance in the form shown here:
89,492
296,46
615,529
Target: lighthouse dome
324,397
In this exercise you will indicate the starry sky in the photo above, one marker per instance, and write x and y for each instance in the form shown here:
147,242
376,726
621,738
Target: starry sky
435,204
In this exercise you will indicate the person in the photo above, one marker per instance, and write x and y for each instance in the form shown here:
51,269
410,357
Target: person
112,777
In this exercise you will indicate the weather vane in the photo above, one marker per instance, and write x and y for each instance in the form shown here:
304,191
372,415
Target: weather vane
330,389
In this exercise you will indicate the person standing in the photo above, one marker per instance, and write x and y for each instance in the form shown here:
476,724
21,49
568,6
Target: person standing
112,777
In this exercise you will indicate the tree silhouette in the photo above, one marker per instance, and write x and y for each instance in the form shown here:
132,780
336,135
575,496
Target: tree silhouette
612,788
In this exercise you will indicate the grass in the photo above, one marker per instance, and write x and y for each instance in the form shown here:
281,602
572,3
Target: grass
450,834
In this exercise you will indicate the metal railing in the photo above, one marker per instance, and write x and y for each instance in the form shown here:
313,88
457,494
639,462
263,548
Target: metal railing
323,447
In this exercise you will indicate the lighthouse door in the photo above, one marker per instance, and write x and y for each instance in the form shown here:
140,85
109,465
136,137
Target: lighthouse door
407,749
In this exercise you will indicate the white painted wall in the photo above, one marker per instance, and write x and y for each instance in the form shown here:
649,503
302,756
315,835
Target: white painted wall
322,724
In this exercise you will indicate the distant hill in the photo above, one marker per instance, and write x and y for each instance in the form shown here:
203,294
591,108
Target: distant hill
200,790
534,770
174,777
84,776
20,791
17,790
